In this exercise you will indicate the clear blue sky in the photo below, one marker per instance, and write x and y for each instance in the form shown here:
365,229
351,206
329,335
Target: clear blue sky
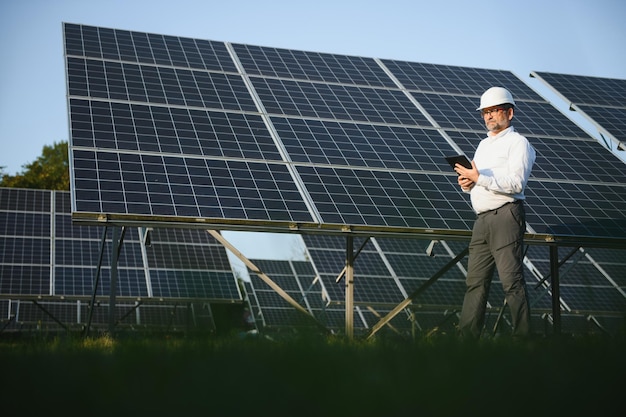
564,36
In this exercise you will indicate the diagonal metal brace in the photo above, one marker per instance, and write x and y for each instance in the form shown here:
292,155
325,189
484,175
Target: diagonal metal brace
417,292
42,308
264,277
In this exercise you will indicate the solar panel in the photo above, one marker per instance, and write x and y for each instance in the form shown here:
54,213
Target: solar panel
338,102
187,263
455,80
601,100
43,254
168,130
329,258
610,120
587,90
25,247
297,279
590,280
311,66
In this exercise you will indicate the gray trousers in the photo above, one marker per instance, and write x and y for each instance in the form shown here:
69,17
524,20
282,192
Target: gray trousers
497,241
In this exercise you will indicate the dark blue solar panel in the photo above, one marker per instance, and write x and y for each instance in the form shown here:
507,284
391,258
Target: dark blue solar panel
122,45
24,200
372,280
156,85
132,127
586,90
363,145
600,100
24,279
340,102
612,120
568,209
455,80
593,298
382,198
25,250
31,242
188,187
312,66
24,224
167,252
191,283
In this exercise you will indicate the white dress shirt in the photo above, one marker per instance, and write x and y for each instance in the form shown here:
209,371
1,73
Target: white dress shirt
504,162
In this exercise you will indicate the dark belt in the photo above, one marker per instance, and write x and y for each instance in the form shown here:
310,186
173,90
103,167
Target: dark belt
503,205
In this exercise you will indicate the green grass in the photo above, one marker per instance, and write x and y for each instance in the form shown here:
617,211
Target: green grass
311,376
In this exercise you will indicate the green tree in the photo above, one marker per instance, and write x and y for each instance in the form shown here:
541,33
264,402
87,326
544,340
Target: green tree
50,171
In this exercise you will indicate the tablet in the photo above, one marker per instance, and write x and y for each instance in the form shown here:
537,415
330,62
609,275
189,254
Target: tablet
459,159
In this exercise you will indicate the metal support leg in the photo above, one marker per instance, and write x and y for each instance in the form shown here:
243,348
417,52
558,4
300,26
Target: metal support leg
349,283
556,297
96,282
118,238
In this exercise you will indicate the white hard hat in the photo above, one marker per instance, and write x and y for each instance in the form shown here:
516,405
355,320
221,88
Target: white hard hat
495,96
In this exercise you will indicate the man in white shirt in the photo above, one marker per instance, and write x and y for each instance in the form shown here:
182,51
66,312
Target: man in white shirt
496,182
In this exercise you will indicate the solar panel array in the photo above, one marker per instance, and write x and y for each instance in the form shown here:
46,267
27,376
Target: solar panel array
388,270
42,254
168,130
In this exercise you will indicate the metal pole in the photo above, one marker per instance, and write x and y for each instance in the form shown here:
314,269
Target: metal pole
556,304
96,282
114,255
356,255
349,283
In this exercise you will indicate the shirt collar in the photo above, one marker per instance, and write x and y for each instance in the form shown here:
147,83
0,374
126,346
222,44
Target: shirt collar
504,132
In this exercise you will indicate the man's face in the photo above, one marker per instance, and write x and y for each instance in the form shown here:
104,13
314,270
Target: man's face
497,118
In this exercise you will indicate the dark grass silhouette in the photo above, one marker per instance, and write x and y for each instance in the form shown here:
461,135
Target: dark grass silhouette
311,375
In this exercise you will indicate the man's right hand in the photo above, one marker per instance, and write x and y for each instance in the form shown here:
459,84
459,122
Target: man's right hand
465,183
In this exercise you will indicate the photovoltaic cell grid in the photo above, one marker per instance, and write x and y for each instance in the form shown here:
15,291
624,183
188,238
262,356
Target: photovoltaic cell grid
591,279
613,120
297,279
311,66
189,263
454,80
175,129
44,253
25,246
587,90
